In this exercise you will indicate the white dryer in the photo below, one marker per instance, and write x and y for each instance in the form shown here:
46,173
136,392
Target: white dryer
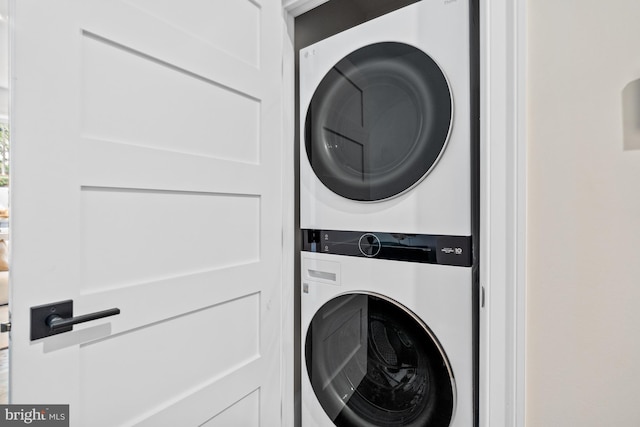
385,124
386,343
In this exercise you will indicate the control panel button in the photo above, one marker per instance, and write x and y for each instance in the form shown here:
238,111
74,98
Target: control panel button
369,245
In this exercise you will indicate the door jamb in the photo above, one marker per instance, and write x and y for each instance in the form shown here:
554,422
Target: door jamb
503,194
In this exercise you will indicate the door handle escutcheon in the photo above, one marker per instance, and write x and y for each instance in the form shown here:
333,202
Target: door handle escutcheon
56,322
56,318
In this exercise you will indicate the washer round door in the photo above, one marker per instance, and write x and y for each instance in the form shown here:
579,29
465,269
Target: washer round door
371,362
378,121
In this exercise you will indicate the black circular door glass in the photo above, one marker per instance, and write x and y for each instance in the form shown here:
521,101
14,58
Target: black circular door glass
371,363
378,121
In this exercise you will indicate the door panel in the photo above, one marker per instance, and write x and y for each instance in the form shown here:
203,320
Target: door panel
233,27
197,360
240,414
114,244
199,115
147,176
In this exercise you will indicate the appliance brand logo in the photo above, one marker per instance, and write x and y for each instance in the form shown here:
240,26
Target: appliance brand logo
36,415
457,251
449,1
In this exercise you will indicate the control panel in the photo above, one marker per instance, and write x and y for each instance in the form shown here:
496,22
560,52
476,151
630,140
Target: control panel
425,248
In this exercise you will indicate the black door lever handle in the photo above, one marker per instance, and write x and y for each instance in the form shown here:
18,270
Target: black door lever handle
56,322
57,318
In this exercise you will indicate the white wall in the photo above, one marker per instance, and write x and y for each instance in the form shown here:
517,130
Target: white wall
583,210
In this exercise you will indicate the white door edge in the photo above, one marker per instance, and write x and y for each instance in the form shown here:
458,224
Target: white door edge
288,404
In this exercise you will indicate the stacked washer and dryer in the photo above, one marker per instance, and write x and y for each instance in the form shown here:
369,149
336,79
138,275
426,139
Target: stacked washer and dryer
388,302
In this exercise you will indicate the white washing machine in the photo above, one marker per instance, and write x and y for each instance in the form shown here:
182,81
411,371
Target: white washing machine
386,343
385,124
389,277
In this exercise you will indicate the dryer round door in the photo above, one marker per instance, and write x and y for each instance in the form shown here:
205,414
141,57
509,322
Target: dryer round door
371,362
378,121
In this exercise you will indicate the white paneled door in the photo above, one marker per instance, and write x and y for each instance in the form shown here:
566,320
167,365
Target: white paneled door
146,176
